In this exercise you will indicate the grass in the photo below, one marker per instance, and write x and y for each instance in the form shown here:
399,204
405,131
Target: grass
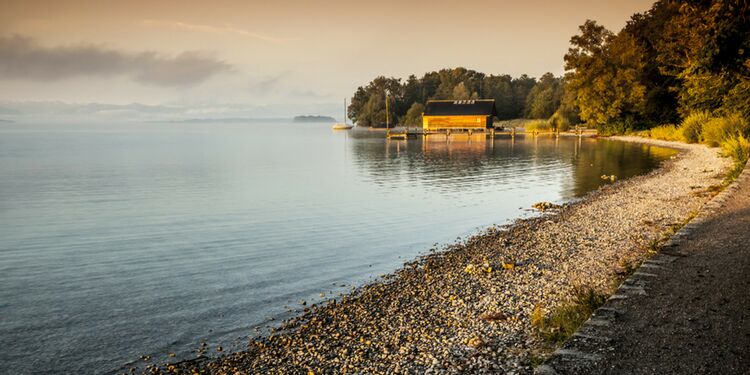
538,125
692,126
731,133
738,148
535,360
717,130
561,323
667,132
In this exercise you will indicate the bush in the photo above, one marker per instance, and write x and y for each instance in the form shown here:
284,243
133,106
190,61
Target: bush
621,126
719,129
692,126
667,132
538,125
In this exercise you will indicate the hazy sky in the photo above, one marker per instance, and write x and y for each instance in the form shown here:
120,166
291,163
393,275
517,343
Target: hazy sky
273,54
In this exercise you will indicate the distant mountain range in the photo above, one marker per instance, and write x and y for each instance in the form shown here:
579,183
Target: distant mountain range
310,118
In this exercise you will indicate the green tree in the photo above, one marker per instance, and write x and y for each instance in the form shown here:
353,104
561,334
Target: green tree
604,73
413,116
522,86
705,46
367,107
500,88
545,97
460,92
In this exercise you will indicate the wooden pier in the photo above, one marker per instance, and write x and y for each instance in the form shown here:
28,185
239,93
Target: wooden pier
405,133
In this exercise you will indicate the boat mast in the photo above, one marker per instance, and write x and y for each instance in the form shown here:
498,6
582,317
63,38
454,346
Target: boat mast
386,111
344,111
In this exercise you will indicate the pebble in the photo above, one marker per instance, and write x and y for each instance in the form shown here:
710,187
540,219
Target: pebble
466,307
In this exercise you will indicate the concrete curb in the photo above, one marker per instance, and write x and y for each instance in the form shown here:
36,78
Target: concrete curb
591,342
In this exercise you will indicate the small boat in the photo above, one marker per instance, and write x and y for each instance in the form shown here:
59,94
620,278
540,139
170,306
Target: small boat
343,126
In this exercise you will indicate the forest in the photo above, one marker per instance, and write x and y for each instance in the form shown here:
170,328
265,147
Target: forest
678,59
522,97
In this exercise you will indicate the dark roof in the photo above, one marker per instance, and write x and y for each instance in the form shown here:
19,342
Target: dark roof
468,107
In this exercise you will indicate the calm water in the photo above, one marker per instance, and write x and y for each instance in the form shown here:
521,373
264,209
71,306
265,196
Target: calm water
123,240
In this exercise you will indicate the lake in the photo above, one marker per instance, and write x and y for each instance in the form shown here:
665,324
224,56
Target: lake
124,240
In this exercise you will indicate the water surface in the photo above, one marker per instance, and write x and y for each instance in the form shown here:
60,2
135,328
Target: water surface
123,240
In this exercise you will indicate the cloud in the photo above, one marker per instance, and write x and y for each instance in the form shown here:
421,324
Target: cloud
270,83
224,30
22,58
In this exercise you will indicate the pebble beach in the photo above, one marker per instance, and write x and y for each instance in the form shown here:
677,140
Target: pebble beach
466,307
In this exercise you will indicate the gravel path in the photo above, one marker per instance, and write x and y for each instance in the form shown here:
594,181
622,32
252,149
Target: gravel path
467,307
695,316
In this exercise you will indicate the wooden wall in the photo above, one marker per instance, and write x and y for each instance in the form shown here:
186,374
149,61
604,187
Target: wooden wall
454,122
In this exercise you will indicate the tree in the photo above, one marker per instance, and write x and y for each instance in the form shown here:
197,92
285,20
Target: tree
705,47
460,83
413,116
521,88
368,103
460,92
604,70
500,88
545,97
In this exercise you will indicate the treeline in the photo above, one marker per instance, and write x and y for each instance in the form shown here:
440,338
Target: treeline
678,58
514,97
680,71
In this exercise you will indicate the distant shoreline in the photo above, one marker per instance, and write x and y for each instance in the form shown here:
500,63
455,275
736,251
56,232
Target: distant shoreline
309,118
468,307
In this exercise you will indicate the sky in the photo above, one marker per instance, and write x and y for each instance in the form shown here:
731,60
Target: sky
272,58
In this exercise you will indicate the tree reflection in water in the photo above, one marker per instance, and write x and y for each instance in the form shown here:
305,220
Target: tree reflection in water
462,163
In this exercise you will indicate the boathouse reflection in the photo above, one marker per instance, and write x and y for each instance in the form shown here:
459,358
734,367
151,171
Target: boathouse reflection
472,162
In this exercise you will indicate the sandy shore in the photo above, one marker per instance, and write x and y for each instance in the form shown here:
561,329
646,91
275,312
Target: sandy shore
460,309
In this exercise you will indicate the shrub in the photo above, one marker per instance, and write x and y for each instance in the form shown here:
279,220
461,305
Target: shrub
692,126
667,132
538,125
718,129
619,126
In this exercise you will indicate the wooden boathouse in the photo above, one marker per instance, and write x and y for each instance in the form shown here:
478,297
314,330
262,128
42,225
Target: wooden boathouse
470,115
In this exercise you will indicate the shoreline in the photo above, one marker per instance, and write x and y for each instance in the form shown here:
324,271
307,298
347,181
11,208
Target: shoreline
460,310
